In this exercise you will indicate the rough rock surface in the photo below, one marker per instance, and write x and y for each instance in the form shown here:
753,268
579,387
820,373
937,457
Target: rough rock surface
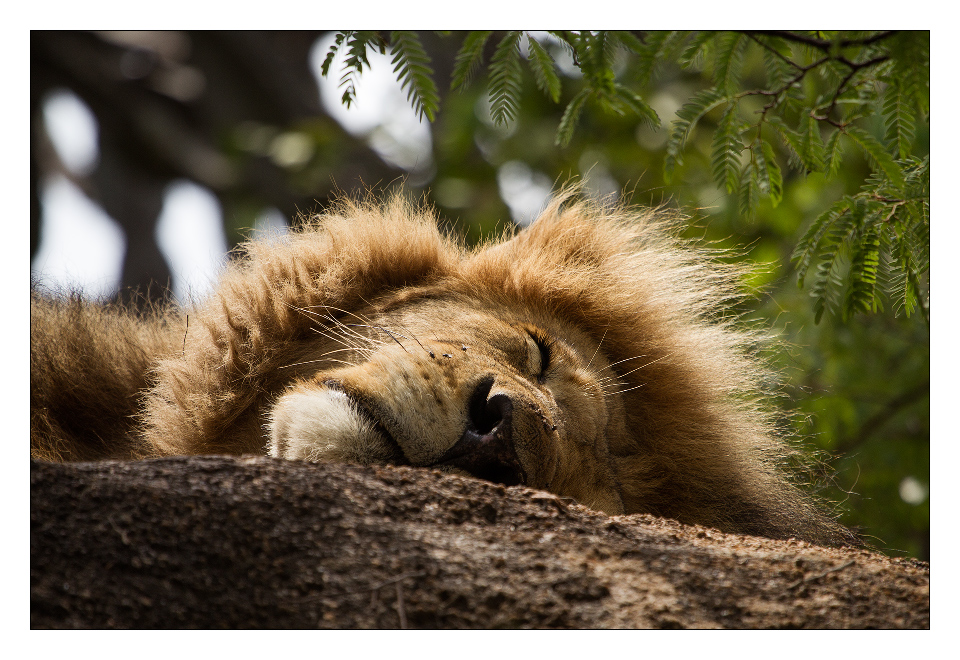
216,542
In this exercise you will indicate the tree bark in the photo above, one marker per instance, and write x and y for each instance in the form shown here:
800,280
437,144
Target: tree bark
216,542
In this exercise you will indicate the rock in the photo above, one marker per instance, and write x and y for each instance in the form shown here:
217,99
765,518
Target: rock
225,542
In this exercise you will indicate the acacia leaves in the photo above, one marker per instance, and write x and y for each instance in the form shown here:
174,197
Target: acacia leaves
775,101
469,58
506,79
872,244
356,43
412,67
593,52
822,91
544,70
410,63
687,118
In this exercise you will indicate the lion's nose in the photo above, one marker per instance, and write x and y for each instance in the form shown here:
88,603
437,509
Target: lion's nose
486,448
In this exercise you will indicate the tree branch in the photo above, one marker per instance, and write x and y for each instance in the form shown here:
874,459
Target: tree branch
882,416
822,44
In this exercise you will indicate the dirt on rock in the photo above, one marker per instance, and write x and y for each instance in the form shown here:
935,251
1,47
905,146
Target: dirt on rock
219,542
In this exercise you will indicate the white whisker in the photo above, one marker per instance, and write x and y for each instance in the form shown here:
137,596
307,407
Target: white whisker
597,349
626,390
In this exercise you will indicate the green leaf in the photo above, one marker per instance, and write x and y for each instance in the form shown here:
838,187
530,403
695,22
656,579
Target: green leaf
827,284
648,57
811,144
637,105
901,122
809,245
832,155
778,69
570,116
769,176
749,190
910,259
729,61
687,118
911,292
332,53
468,59
544,70
725,155
862,294
693,54
357,44
910,52
505,79
791,140
825,288
627,40
878,156
412,66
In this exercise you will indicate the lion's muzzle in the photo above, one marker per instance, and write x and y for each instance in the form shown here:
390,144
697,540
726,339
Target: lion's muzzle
486,448
454,411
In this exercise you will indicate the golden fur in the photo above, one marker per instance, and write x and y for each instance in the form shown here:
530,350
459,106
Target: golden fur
590,355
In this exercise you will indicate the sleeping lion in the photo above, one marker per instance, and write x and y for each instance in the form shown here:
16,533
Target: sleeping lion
590,355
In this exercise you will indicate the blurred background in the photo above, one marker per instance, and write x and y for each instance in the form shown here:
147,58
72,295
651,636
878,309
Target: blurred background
154,153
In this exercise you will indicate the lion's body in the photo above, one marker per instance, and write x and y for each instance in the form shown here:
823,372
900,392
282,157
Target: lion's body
587,355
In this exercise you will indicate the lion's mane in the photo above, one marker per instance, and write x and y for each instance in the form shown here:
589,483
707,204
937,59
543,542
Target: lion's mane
702,446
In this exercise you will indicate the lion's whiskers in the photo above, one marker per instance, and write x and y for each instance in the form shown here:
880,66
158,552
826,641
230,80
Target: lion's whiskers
347,328
597,349
322,359
609,366
428,351
605,379
607,383
343,340
626,390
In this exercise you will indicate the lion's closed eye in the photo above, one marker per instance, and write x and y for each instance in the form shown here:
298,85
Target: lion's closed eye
539,354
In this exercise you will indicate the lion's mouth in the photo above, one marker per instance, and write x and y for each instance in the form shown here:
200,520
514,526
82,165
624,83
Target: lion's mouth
484,459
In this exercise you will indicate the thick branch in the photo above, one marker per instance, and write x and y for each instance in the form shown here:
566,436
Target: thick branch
822,44
882,416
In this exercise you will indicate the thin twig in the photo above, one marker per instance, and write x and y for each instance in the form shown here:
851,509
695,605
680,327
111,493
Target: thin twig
813,578
362,590
403,615
888,410
392,581
774,51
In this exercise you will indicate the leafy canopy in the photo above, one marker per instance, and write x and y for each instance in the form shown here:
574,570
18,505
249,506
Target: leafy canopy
825,93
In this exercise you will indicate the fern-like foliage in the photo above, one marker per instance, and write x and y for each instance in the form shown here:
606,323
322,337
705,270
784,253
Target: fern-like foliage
411,65
469,58
687,117
596,52
865,246
570,116
505,79
900,118
544,70
729,60
356,44
726,150
886,239
821,98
